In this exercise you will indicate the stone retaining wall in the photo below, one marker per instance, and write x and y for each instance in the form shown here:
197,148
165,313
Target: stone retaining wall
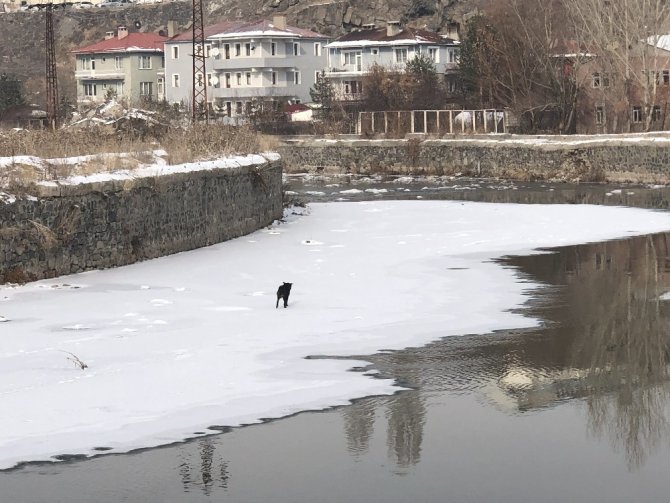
52,231
637,159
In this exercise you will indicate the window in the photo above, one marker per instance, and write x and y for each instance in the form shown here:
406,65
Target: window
175,80
145,62
88,63
637,115
146,89
317,76
274,78
317,49
434,54
247,49
229,108
353,87
600,115
118,62
656,113
600,80
226,50
273,49
248,78
400,55
209,80
238,108
160,87
666,77
238,79
350,57
199,80
238,50
227,80
374,51
208,50
90,90
453,54
175,52
296,78
296,48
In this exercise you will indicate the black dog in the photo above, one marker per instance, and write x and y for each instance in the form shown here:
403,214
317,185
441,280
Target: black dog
283,293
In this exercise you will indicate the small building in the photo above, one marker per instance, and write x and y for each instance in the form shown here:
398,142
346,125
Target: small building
125,65
247,62
23,116
351,56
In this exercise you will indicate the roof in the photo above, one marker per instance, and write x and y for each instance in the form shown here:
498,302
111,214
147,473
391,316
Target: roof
378,36
245,29
660,41
133,42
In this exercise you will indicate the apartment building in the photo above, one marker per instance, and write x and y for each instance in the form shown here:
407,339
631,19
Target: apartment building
351,56
247,61
125,65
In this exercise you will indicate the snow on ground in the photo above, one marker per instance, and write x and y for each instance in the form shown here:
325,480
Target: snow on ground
180,343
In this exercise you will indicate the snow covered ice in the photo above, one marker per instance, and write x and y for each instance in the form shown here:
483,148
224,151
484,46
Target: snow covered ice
181,343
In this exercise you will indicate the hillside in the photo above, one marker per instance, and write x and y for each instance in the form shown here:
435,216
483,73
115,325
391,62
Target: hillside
22,33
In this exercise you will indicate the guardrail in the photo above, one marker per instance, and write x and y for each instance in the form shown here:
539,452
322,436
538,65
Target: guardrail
401,122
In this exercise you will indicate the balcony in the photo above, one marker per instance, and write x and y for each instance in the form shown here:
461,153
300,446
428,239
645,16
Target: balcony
246,63
99,75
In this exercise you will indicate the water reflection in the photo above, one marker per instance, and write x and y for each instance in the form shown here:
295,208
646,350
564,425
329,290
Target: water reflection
359,422
615,325
205,473
406,419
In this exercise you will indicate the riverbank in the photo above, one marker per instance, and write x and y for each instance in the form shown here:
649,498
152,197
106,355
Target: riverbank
634,158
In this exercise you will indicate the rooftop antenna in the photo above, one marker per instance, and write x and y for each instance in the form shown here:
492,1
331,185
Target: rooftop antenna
51,76
199,101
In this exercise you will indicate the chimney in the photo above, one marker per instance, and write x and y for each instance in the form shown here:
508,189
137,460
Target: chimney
121,32
109,35
279,22
369,26
392,28
171,28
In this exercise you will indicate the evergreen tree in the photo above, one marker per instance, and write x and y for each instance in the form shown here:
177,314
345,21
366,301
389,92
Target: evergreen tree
11,92
323,93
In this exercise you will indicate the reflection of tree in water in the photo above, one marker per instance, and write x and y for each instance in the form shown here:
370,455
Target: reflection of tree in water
207,471
406,418
359,419
618,330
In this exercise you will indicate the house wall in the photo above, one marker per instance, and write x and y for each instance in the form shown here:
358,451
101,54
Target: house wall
341,73
124,80
73,228
610,93
260,64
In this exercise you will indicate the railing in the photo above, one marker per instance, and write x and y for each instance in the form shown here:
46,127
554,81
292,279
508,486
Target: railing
399,123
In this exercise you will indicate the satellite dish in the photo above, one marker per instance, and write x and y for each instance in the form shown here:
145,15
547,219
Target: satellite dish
214,51
138,25
214,80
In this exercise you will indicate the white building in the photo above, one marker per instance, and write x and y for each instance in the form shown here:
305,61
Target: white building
351,56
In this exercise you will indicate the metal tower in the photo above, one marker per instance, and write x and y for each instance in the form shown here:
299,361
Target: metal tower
199,98
52,78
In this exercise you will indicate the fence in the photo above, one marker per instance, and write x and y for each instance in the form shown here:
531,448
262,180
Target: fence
439,122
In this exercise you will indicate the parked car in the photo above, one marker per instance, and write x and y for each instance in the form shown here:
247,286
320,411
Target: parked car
83,5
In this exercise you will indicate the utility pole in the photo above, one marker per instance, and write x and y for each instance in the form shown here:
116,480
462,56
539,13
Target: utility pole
52,78
199,97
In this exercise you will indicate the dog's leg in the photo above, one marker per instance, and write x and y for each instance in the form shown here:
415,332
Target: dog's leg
277,305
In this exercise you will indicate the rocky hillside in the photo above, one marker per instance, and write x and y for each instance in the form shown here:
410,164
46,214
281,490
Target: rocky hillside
22,33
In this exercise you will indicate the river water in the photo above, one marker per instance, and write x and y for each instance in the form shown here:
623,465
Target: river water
576,409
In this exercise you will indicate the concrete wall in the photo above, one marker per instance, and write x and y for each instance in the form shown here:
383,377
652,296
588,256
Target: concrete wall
634,159
69,229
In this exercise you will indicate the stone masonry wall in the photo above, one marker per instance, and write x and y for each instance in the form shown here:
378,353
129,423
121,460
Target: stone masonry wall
625,160
52,231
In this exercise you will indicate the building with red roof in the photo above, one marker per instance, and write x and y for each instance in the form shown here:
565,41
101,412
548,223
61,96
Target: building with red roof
123,65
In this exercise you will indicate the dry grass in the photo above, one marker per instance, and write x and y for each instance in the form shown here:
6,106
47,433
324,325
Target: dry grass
111,150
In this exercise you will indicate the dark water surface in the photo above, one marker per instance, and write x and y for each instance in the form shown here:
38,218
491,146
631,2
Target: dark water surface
575,410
